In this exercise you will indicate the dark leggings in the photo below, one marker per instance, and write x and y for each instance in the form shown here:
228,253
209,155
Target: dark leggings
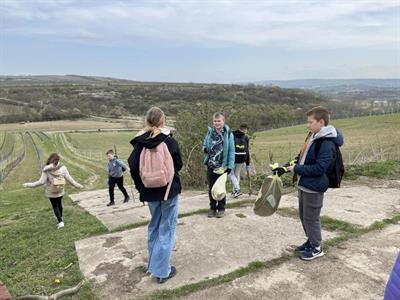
57,207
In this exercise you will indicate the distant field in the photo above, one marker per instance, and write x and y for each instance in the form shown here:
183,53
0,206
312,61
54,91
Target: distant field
8,109
88,124
367,139
95,144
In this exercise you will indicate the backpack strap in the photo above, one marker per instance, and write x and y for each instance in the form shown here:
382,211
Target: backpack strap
173,173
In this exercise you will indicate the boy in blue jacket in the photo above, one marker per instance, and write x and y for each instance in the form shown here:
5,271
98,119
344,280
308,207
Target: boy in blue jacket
311,169
116,169
219,149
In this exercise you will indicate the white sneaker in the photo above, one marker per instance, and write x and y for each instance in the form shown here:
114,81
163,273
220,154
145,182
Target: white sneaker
60,225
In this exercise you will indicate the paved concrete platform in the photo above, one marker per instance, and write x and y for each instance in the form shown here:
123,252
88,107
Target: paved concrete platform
205,248
95,202
361,205
357,269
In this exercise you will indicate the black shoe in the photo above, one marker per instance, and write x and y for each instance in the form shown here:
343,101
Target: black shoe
111,203
304,246
211,213
220,214
171,274
126,199
312,253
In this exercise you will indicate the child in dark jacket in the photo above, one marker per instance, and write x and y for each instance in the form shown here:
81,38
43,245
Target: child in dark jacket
311,169
116,169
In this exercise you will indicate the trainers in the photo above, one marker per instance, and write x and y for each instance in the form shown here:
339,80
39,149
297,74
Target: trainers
220,214
171,274
306,245
111,203
312,253
60,225
237,194
126,199
211,213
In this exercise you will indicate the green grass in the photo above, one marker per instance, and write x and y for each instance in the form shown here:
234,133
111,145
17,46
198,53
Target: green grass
95,144
389,169
32,250
367,139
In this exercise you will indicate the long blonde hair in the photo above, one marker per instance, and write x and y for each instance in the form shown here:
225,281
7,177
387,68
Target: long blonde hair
155,118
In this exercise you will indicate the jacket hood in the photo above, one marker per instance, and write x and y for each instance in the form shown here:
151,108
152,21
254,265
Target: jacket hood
143,138
238,133
330,132
51,167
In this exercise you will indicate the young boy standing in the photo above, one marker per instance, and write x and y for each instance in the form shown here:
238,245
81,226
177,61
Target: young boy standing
242,155
116,168
311,168
219,149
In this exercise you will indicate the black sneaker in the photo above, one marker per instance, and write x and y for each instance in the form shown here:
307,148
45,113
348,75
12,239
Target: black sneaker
111,203
237,194
126,199
306,245
220,214
171,274
211,213
312,253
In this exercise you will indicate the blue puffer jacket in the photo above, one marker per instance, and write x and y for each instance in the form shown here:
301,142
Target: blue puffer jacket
229,147
392,291
313,169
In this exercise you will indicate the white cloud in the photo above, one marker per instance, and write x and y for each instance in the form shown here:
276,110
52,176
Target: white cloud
292,24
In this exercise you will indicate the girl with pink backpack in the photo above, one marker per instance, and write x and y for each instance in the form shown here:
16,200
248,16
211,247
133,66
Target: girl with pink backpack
154,163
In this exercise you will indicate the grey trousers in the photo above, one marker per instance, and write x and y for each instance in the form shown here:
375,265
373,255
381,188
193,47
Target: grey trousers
310,205
235,176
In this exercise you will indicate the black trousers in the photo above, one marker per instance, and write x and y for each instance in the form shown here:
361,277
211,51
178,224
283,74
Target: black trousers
112,181
57,207
211,178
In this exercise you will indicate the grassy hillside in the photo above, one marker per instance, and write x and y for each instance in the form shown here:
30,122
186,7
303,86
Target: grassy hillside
78,97
367,139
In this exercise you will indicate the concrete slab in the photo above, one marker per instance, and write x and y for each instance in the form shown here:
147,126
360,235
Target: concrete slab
361,205
134,212
205,248
358,269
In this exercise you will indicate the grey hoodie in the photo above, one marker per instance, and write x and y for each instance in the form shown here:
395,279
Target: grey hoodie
325,132
48,173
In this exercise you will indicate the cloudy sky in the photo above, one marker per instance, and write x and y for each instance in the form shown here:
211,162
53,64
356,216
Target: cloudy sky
201,41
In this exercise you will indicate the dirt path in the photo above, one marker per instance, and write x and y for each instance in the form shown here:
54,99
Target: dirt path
209,248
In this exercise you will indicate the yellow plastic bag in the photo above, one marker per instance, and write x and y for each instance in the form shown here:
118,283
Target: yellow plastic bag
269,196
218,191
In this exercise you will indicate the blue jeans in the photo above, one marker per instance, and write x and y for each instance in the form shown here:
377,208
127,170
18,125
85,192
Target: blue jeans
161,236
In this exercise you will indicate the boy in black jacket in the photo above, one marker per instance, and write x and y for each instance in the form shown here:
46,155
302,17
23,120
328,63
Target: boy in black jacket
312,179
242,155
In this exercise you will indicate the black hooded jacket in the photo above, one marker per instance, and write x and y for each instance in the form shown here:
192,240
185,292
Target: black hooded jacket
144,141
242,158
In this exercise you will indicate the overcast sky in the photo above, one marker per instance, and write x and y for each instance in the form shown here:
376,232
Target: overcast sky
201,41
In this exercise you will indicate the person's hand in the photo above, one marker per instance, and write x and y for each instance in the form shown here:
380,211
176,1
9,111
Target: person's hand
80,186
25,185
291,168
280,171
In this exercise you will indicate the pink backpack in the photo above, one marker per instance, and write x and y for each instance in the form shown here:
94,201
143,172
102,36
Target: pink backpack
156,167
